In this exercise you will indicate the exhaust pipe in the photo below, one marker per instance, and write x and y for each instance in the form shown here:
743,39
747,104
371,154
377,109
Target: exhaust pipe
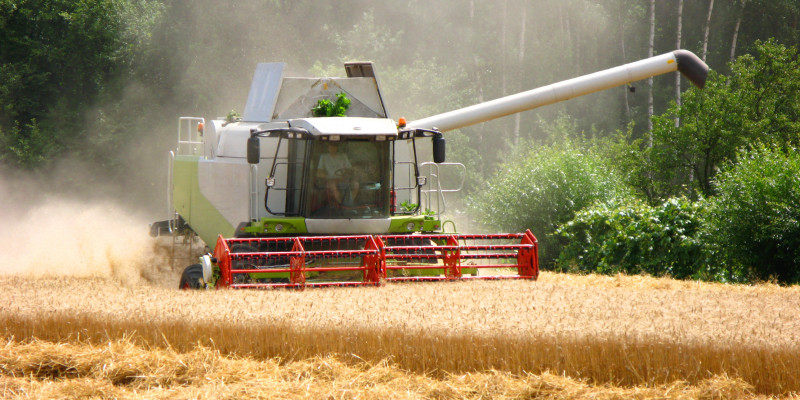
694,69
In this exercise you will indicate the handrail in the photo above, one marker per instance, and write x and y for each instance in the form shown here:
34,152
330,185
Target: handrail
194,144
253,192
173,215
441,203
405,190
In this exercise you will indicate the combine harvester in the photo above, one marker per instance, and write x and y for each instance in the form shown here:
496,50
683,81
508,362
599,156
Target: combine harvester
292,200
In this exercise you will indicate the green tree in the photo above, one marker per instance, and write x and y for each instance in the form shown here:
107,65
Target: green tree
758,103
755,218
29,149
57,57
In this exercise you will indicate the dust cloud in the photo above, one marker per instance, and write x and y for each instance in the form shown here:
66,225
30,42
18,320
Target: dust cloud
49,234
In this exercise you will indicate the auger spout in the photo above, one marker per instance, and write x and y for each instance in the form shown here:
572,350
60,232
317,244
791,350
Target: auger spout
694,69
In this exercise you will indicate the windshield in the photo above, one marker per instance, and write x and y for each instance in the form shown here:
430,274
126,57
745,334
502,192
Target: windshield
349,179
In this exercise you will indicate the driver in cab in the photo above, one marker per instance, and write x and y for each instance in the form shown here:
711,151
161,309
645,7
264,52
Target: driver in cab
341,186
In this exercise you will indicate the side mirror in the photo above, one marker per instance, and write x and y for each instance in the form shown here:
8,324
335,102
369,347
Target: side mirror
438,148
253,150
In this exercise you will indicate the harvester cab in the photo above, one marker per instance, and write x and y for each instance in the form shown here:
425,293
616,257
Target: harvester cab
296,194
341,174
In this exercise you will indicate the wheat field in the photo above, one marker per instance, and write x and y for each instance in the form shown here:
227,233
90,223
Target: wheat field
562,336
89,309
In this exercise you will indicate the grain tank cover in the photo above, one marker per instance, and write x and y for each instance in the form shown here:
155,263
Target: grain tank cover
264,91
274,97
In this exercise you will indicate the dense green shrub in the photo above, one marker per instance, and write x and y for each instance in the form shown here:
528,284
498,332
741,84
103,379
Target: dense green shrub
755,217
542,189
632,237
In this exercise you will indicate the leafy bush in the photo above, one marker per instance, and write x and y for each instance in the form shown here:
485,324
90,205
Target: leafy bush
327,108
541,190
632,237
755,218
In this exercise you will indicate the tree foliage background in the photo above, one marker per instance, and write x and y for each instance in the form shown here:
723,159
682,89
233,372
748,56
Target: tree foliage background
90,90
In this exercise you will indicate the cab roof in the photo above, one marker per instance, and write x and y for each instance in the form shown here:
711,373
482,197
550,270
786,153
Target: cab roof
347,126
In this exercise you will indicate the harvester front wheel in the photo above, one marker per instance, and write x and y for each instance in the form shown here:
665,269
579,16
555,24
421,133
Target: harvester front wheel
192,278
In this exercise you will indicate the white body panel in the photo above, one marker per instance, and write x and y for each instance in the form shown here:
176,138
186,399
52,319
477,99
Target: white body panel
233,139
224,179
224,182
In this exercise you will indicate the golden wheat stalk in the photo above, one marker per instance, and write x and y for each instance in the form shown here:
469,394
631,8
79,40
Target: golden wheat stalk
623,330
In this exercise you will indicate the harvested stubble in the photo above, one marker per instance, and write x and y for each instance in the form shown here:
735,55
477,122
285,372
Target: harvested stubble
625,331
120,369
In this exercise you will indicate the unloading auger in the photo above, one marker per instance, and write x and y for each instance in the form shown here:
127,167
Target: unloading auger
346,201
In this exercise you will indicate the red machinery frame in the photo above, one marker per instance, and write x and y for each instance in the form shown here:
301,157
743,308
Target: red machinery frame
375,258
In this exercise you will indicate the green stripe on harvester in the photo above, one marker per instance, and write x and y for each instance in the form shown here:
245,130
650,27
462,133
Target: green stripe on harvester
195,208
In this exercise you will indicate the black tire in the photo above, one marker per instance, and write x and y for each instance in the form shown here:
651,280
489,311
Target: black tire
192,278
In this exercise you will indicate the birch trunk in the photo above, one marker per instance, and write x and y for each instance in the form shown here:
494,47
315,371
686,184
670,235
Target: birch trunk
678,74
475,52
503,48
736,30
707,29
621,20
650,80
520,64
478,76
504,66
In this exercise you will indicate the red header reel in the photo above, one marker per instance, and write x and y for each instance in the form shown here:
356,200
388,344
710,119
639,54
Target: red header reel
318,261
